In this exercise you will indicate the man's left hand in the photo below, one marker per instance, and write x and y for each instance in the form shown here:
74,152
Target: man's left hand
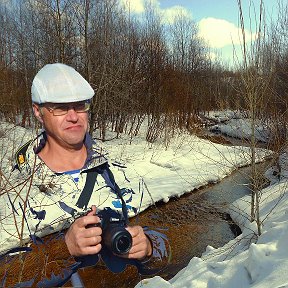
141,245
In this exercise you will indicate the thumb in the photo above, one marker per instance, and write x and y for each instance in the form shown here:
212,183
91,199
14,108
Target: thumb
93,211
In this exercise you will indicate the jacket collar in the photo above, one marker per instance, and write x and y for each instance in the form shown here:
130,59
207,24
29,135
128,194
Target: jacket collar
96,155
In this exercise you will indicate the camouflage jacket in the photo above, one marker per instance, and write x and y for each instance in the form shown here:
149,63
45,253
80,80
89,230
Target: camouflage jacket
44,202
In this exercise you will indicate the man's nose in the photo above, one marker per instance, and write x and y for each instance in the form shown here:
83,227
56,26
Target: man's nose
72,115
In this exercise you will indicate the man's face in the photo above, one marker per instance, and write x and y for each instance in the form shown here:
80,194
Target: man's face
64,123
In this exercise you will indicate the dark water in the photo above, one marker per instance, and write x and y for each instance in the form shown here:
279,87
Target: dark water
193,221
231,140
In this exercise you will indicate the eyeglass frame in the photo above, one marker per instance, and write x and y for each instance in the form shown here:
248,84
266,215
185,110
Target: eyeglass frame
69,106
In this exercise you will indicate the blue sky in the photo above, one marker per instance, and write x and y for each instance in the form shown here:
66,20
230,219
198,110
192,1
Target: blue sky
220,9
223,9
218,20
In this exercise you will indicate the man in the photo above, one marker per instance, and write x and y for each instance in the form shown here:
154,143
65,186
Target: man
68,179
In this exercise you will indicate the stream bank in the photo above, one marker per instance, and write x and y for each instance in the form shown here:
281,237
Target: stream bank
193,221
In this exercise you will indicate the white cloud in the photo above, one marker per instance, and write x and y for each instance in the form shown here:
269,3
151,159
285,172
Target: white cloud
219,33
136,6
170,14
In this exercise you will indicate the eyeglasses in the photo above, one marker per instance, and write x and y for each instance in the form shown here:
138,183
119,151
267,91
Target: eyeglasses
62,109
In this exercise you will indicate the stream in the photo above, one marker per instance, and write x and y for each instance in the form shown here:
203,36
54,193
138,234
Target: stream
193,221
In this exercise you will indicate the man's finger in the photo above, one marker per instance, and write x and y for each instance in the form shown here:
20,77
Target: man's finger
93,211
134,231
92,231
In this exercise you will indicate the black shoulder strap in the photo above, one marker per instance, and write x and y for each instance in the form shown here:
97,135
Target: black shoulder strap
89,185
87,190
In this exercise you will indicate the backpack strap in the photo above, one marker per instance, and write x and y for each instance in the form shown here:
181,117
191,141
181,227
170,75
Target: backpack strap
20,155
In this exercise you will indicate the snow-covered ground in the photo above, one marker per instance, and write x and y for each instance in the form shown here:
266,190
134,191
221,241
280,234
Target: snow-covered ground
248,260
188,163
235,124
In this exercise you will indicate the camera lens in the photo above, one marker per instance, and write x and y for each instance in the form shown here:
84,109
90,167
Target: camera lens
122,244
119,240
114,235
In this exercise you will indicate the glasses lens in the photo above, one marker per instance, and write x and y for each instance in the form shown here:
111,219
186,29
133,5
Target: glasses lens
81,107
60,110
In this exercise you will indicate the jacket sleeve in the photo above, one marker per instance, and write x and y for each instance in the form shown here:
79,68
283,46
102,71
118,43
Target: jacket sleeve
161,254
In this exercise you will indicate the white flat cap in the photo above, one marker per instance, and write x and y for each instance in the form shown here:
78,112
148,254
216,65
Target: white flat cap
60,83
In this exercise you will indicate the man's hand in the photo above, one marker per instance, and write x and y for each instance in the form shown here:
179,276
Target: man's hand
81,240
141,245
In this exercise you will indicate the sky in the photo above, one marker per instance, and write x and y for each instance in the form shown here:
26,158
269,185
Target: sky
188,163
218,20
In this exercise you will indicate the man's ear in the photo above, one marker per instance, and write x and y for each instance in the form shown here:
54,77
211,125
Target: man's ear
37,112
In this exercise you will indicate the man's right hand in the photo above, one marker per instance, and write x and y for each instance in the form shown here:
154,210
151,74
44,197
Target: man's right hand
81,240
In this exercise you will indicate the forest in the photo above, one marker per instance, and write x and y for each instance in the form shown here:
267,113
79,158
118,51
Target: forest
140,67
156,76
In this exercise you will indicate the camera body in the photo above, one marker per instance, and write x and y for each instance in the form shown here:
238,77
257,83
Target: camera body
114,235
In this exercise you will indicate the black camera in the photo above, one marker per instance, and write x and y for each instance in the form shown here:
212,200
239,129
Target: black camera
114,235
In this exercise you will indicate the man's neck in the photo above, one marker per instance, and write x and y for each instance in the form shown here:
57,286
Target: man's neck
61,159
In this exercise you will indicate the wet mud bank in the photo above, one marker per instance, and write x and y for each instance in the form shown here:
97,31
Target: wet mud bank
191,222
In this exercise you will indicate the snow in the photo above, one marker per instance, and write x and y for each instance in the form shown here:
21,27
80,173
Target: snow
248,260
236,124
240,264
187,163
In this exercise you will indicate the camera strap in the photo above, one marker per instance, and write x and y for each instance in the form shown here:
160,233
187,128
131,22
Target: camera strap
89,186
87,190
117,190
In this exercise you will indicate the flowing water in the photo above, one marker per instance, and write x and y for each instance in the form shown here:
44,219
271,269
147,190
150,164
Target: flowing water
193,221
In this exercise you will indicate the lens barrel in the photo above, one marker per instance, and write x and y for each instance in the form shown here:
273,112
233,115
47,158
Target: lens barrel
117,239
